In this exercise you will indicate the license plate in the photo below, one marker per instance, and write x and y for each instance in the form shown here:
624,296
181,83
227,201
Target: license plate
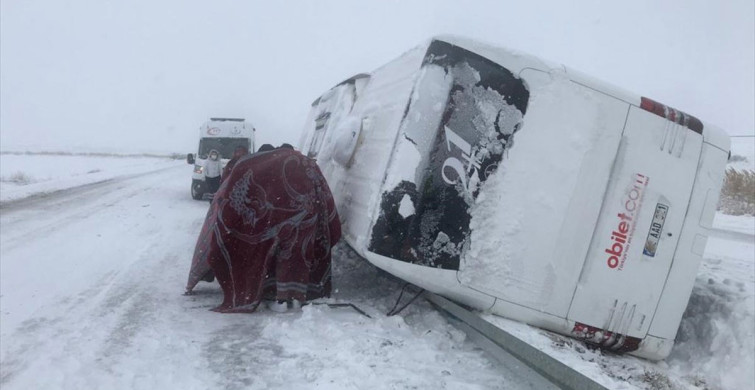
656,228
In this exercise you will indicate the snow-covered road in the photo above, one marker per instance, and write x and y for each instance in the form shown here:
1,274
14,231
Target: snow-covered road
90,298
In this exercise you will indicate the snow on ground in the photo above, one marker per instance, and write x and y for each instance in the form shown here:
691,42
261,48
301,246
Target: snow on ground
90,297
91,284
716,339
715,346
734,223
23,175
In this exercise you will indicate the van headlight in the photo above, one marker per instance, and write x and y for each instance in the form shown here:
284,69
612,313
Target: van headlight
198,169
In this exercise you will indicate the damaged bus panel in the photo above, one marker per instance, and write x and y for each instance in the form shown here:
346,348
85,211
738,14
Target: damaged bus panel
523,188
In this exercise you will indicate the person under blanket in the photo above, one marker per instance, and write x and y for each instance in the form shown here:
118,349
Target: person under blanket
268,233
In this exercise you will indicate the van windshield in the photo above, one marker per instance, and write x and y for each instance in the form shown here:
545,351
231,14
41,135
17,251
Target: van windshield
224,146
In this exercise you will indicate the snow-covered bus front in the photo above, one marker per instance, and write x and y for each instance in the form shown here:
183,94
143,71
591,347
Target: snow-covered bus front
523,188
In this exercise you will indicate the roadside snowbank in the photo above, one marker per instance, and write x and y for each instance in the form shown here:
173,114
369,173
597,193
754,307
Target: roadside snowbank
716,339
24,175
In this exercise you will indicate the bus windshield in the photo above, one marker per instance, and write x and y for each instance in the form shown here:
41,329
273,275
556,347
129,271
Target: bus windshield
463,117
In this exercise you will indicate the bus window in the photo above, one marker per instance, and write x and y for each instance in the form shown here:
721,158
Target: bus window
321,125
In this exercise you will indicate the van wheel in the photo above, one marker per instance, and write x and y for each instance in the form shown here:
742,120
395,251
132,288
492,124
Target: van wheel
197,189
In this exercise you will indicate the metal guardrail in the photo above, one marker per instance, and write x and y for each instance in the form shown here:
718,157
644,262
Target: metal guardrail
547,371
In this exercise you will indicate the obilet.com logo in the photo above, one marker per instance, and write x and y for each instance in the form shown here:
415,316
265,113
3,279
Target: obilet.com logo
624,231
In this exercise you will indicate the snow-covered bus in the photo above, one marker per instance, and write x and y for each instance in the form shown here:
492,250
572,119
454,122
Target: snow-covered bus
523,188
223,135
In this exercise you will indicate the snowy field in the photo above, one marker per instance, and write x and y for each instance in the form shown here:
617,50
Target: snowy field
90,297
23,175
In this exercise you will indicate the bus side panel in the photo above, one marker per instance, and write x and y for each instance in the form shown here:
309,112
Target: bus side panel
379,111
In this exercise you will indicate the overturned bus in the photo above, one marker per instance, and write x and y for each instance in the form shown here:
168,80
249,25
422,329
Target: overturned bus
523,188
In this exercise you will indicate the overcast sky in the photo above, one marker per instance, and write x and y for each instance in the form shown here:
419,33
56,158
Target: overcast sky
143,75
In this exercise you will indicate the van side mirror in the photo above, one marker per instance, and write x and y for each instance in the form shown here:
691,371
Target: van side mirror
190,158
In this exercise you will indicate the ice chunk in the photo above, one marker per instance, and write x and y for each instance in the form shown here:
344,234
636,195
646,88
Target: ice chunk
406,207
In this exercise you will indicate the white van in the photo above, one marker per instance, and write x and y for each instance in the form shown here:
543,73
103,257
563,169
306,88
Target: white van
523,188
223,135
